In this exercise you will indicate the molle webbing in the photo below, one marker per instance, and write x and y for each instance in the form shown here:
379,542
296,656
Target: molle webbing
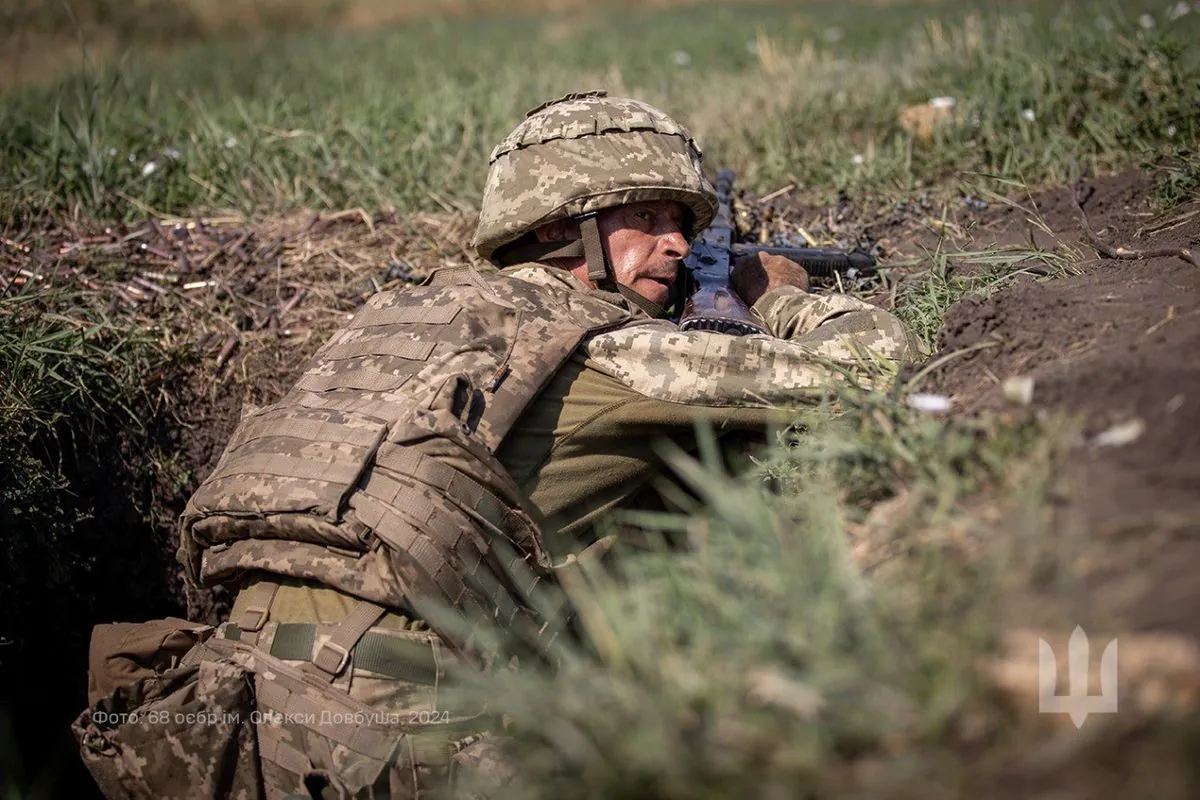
308,728
376,474
382,653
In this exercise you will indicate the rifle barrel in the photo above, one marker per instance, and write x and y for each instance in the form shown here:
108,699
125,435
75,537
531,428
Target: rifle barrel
820,262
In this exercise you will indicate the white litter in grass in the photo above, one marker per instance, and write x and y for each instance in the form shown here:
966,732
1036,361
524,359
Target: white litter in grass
148,168
929,403
1171,130
1028,115
857,158
1120,434
941,102
1019,390
230,143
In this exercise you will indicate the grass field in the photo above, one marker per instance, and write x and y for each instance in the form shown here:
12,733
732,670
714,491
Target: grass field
846,660
780,93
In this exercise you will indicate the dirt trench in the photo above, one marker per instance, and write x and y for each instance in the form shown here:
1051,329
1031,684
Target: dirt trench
263,300
1116,347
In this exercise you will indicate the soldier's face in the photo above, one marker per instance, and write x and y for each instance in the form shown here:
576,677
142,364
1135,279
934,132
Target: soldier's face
645,243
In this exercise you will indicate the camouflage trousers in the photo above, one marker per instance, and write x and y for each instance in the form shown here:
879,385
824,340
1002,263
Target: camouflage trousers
268,706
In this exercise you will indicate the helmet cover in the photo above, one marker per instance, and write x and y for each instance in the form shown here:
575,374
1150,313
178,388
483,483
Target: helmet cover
583,153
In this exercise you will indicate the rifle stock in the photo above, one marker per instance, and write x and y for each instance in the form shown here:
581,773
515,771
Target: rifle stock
713,305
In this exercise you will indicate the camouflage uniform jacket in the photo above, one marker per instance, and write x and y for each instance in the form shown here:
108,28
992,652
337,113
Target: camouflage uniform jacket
589,442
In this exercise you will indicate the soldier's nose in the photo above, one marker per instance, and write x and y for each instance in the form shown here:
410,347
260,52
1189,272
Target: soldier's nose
675,246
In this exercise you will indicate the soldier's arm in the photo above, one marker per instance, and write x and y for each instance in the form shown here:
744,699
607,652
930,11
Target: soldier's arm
588,444
829,336
833,325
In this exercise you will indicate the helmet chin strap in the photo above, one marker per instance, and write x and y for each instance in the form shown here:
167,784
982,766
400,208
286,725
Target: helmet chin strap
591,247
601,273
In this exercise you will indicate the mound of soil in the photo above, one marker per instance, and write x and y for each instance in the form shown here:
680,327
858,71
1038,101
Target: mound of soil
1115,346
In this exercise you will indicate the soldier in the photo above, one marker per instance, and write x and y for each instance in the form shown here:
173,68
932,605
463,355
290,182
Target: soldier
433,455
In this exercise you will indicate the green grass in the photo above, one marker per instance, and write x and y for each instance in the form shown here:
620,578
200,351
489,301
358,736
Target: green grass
56,365
86,479
67,385
1177,178
394,117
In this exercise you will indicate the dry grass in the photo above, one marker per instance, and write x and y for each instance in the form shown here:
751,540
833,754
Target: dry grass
255,301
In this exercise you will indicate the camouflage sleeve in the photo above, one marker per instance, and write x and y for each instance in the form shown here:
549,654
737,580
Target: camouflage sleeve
817,338
830,324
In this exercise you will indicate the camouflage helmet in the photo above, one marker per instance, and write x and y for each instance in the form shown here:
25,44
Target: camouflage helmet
583,153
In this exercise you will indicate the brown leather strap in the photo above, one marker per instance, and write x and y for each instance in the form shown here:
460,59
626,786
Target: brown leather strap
333,655
255,615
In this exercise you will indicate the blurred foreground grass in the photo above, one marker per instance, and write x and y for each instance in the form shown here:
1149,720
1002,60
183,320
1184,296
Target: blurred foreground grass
802,647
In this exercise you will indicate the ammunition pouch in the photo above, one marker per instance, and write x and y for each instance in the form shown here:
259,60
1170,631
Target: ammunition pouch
182,732
237,717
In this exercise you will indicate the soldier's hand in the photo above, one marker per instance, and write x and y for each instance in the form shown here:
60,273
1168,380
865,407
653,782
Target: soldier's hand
755,274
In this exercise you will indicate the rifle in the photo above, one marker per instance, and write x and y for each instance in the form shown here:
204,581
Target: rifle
713,305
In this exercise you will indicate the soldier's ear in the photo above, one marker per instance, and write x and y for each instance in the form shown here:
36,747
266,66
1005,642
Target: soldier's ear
560,230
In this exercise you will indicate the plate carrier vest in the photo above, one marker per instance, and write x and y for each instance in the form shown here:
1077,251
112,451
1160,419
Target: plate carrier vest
376,473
